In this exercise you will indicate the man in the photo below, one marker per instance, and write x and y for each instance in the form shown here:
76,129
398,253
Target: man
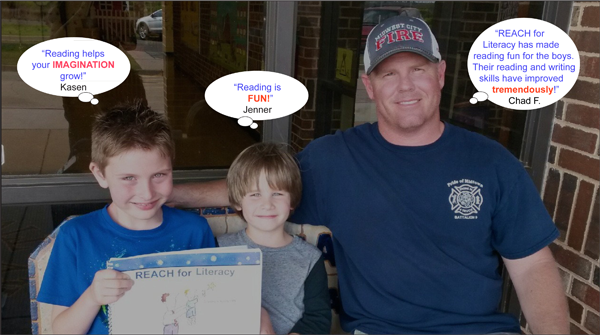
422,211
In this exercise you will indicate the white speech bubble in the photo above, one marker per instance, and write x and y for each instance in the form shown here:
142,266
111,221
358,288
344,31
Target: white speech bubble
479,96
86,97
256,95
70,66
523,63
245,121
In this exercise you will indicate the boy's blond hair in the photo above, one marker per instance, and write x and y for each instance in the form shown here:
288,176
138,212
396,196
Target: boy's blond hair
278,163
130,126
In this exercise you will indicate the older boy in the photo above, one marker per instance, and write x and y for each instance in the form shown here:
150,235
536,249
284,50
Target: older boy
132,151
264,187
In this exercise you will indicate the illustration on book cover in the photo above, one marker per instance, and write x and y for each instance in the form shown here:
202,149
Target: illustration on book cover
190,292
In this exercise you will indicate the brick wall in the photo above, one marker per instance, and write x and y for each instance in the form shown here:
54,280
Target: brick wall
307,56
307,59
348,37
256,33
571,192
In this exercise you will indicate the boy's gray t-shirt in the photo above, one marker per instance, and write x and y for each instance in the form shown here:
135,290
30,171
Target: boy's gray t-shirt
284,271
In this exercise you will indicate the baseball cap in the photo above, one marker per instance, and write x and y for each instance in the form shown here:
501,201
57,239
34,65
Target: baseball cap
399,34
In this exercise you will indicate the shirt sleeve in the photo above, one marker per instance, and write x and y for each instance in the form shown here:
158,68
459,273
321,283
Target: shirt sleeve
307,211
59,285
316,318
521,225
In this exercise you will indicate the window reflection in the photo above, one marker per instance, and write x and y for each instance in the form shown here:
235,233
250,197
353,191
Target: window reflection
170,70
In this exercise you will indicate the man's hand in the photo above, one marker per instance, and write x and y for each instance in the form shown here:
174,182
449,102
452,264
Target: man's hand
266,327
109,286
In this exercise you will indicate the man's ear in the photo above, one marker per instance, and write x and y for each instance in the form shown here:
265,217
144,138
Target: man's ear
442,73
367,82
97,172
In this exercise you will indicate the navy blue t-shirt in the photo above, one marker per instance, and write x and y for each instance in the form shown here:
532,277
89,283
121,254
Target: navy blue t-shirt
418,231
85,243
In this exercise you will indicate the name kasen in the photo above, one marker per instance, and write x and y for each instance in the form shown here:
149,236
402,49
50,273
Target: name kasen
65,87
258,109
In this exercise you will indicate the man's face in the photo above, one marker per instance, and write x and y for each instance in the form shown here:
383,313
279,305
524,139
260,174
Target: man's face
406,88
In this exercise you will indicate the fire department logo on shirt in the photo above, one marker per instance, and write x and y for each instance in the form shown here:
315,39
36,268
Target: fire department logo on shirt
465,198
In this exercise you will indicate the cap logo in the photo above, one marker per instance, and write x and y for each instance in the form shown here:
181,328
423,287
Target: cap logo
398,36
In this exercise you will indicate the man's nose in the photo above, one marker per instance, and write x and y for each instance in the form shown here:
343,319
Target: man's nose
404,82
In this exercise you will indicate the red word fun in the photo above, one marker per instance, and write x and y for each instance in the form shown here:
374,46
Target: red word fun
259,98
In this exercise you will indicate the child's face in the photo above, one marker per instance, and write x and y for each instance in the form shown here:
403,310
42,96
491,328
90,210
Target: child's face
139,182
265,209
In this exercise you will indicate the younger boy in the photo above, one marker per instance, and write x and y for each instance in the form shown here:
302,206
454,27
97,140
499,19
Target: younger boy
132,153
264,186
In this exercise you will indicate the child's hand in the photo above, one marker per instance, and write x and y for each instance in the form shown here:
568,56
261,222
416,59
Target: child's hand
109,286
266,327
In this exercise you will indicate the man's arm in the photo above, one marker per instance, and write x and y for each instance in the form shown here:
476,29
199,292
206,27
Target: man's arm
540,291
207,194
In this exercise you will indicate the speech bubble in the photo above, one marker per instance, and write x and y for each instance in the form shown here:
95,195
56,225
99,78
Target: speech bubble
255,96
88,97
73,67
479,96
523,63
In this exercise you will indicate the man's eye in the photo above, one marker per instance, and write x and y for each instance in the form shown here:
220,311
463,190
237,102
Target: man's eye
158,175
128,178
418,69
254,195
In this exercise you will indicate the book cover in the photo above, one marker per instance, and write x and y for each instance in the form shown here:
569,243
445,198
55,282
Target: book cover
202,291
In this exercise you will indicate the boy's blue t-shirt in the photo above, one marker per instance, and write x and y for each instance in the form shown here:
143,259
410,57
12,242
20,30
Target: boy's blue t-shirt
85,243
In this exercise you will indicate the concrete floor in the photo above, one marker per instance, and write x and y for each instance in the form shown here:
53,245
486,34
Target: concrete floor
23,228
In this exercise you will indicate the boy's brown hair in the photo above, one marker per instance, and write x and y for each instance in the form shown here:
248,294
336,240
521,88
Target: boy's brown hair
130,126
278,163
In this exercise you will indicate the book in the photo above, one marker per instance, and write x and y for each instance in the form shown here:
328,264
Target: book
201,291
